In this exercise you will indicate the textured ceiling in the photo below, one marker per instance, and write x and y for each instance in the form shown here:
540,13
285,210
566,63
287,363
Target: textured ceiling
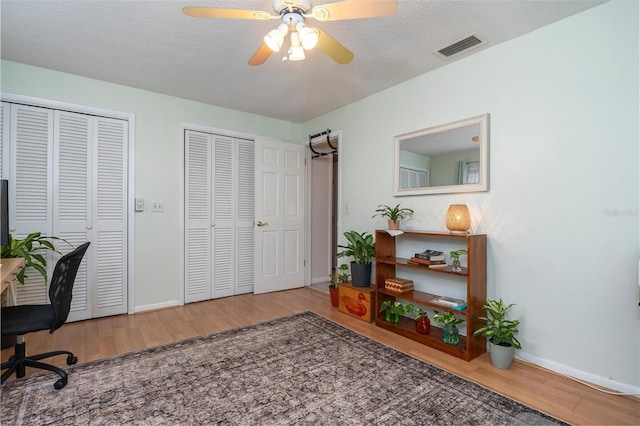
151,45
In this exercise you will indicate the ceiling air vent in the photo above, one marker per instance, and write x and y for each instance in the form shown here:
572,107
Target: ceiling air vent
458,47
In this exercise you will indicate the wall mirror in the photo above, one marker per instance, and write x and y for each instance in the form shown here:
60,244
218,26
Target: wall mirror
448,158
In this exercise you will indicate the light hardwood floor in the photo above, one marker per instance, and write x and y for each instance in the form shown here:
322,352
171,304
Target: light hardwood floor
550,393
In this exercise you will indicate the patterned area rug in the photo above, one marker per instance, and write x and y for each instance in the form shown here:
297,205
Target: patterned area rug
300,369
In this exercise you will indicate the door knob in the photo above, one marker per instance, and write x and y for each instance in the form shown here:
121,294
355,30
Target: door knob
261,223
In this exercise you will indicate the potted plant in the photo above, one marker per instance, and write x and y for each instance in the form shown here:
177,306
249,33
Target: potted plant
33,249
393,310
393,214
362,248
450,334
455,259
343,275
423,325
500,333
333,289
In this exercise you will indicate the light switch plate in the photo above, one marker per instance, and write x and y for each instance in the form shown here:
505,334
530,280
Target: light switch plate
157,206
139,204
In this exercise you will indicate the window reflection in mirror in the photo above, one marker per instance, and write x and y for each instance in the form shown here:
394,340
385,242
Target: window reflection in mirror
448,158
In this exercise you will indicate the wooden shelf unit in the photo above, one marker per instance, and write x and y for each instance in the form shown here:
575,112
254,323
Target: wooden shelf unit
474,276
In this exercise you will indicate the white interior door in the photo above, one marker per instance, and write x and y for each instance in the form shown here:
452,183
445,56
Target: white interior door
279,215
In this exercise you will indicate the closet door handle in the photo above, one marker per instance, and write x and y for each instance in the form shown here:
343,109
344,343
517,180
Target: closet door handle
261,223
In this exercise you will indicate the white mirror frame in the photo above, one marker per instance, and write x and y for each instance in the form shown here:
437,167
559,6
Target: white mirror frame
482,185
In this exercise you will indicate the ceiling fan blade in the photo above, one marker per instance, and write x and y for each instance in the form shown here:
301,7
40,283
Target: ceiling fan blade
214,12
333,48
261,55
354,9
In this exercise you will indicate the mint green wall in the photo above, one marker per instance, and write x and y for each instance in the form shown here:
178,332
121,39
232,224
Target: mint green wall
408,158
157,153
562,211
444,168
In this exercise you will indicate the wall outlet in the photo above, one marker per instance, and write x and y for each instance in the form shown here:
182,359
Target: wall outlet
157,206
139,204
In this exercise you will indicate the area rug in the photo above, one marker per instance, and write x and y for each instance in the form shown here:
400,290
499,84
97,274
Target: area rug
300,369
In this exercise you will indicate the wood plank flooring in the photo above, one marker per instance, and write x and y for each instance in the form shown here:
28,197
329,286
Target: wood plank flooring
560,397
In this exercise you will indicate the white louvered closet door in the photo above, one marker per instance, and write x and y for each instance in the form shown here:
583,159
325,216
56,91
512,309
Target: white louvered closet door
110,224
31,183
197,216
73,198
5,118
224,253
68,177
219,178
245,213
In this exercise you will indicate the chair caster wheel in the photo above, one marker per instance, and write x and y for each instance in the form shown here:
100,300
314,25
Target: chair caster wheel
72,360
60,384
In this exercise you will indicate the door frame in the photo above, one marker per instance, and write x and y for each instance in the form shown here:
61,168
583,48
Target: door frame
182,127
338,133
131,119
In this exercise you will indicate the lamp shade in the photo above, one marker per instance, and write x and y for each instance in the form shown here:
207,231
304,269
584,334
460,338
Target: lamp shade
458,218
296,52
308,36
275,38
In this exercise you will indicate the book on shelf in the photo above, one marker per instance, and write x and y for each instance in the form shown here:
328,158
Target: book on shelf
430,255
450,302
427,262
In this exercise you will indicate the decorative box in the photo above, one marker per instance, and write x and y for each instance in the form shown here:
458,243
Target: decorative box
357,301
398,284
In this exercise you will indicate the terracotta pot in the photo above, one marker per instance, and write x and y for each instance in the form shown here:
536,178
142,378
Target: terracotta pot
334,293
394,224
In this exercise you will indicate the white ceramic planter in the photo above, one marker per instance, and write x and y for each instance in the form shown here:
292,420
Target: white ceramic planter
501,356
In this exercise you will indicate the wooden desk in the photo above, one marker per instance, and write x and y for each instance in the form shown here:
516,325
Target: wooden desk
9,269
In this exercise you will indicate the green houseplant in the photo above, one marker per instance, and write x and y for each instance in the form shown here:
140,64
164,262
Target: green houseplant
450,334
500,332
343,275
455,259
393,310
362,248
33,248
393,214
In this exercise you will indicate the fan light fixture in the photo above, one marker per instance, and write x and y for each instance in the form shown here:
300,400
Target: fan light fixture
308,36
293,14
296,52
301,37
275,38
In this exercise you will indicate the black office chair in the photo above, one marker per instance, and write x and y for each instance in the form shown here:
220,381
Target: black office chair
20,320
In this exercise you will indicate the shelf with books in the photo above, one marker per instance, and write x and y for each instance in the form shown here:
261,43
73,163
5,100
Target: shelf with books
473,277
400,261
421,298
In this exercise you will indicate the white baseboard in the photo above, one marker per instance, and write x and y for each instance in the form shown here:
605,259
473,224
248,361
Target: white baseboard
155,306
319,280
578,374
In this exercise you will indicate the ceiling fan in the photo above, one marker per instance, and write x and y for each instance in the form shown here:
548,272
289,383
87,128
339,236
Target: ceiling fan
293,14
